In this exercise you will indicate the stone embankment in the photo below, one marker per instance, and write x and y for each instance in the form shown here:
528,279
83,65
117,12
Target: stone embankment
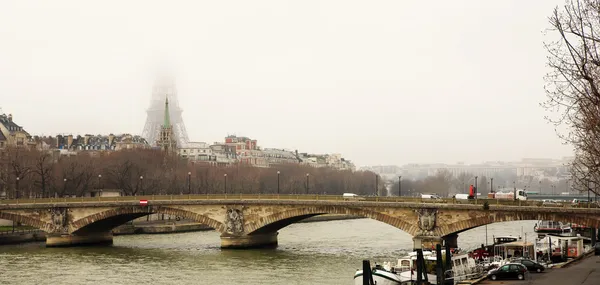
22,236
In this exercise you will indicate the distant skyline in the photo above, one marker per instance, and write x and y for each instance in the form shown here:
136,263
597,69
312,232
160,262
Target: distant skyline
381,82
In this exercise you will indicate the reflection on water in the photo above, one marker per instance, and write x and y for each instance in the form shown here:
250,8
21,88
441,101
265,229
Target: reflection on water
308,253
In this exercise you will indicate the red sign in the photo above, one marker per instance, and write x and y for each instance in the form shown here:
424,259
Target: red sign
143,202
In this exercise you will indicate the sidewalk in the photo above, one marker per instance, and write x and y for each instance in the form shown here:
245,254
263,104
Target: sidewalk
584,272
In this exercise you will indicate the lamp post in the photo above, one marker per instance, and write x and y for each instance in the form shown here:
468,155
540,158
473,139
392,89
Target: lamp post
540,186
142,184
64,187
491,190
399,186
307,181
99,187
278,172
17,188
189,182
476,188
376,185
225,177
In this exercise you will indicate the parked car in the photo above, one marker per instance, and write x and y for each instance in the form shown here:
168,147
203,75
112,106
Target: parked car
531,265
597,248
508,271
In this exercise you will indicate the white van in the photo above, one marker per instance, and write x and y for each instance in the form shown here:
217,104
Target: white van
351,196
430,196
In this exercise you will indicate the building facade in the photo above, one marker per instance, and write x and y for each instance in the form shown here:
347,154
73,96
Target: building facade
12,134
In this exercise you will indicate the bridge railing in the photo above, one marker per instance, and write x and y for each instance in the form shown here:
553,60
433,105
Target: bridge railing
292,197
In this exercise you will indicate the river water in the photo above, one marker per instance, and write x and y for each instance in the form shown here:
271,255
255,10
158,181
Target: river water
308,253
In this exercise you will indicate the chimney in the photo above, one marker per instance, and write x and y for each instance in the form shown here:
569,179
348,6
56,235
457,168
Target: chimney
111,138
69,141
10,117
86,139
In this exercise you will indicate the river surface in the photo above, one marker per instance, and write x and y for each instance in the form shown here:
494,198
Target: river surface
308,253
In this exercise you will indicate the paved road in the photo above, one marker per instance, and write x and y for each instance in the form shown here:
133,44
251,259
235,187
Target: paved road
585,272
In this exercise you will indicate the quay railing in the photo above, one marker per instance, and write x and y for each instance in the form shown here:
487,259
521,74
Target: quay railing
292,197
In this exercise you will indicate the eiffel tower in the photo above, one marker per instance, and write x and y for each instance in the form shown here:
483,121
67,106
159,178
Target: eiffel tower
164,86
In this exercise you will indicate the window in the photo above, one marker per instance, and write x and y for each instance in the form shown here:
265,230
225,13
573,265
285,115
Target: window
504,268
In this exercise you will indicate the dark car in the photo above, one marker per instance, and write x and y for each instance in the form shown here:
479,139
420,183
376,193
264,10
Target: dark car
531,265
597,248
508,271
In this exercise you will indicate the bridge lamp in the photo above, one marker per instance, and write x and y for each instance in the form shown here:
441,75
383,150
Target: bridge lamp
225,177
307,181
278,181
17,188
142,184
189,182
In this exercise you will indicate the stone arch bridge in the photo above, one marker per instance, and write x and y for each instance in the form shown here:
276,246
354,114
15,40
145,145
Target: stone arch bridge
252,221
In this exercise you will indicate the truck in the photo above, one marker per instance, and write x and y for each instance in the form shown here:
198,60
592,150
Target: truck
521,195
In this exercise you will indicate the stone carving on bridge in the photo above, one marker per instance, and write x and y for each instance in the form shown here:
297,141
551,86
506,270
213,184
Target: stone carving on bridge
427,219
59,219
234,221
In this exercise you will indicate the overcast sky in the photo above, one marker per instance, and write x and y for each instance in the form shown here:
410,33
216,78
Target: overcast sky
382,82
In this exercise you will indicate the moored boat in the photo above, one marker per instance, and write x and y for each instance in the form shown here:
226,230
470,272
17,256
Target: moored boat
404,271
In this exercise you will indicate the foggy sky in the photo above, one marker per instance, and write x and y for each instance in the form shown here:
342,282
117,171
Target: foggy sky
382,82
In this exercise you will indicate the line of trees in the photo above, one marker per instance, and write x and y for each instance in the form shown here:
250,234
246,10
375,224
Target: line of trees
33,173
445,184
573,86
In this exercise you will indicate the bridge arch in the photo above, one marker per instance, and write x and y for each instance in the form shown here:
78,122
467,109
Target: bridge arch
25,220
279,220
496,217
110,219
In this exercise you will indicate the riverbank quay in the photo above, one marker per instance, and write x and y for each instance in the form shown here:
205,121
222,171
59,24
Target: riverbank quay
585,271
21,236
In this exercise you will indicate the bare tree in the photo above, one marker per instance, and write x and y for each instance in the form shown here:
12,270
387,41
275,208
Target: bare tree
572,85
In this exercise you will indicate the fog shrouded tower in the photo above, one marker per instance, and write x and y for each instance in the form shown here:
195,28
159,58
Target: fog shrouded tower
164,86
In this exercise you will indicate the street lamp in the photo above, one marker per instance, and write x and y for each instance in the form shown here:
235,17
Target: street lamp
64,187
189,183
142,184
476,190
491,189
225,177
307,181
17,188
99,188
278,172
399,186
376,185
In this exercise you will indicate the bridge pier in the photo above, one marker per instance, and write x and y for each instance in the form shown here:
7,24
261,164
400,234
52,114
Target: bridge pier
65,240
249,241
451,240
426,242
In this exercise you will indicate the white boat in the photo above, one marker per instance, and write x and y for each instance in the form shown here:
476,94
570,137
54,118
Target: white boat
404,271
384,277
